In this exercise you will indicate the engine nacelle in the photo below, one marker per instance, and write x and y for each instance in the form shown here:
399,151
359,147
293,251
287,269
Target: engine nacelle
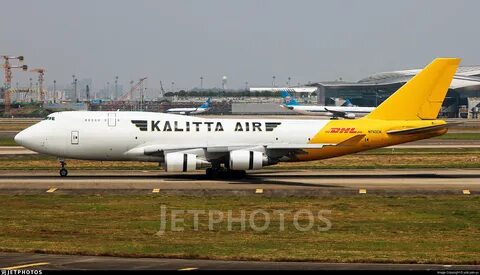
349,116
181,162
246,160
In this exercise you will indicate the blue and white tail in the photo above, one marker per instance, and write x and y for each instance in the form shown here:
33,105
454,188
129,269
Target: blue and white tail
206,104
347,103
288,100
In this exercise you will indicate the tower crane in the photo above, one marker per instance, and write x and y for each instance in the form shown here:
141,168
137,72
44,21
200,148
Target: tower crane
41,74
8,77
162,91
128,95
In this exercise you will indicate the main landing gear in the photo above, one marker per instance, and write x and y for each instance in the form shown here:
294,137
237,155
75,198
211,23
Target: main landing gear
224,173
63,170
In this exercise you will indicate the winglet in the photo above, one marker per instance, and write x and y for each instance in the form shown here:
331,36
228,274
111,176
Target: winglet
422,96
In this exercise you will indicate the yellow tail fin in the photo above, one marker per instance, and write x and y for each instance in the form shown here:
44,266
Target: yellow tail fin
422,96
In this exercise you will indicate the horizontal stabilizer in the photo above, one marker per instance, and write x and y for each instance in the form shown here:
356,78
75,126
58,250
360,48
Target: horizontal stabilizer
420,130
352,141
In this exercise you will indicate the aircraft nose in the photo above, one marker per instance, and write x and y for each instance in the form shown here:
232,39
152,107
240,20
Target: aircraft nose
24,138
20,138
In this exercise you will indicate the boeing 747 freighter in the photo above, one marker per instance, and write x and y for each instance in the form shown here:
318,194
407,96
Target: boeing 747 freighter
231,146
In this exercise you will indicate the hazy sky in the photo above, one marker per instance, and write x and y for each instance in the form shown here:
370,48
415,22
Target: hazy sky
246,40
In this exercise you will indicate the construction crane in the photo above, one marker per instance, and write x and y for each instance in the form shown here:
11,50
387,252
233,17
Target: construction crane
41,74
162,91
128,96
8,77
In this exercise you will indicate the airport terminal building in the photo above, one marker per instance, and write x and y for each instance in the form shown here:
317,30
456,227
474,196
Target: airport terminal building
462,97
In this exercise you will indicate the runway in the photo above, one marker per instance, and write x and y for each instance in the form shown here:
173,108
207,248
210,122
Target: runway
266,182
16,150
422,144
18,261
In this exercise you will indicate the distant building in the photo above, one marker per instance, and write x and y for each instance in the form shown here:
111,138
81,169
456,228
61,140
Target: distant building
374,89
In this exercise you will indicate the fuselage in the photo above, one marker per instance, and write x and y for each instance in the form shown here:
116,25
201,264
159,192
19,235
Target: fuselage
186,111
327,110
93,135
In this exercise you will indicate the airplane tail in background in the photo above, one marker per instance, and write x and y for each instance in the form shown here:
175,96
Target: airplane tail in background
206,104
420,98
347,103
287,98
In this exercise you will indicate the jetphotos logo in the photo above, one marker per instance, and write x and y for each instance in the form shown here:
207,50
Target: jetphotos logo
342,131
21,272
256,220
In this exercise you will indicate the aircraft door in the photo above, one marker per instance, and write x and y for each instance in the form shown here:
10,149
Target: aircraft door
112,119
75,139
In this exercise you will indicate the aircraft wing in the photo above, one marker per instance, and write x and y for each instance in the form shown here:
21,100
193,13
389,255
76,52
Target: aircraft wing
337,113
160,149
289,146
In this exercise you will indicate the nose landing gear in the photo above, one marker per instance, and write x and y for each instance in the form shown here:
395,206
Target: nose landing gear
63,170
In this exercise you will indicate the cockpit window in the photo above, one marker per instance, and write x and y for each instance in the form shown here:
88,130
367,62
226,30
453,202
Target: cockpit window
50,118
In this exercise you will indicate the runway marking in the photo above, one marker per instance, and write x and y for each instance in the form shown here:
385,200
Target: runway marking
466,192
362,191
156,190
259,191
51,190
188,269
24,266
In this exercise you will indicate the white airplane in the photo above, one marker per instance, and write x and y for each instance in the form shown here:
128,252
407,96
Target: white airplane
192,111
347,110
231,146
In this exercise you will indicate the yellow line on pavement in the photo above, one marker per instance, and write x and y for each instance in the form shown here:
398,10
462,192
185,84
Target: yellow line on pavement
23,266
51,190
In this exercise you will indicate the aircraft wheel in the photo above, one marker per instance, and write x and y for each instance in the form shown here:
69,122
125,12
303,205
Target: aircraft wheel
63,172
211,173
237,174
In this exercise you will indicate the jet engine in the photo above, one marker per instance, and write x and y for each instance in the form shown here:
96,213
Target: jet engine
349,116
247,160
181,162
